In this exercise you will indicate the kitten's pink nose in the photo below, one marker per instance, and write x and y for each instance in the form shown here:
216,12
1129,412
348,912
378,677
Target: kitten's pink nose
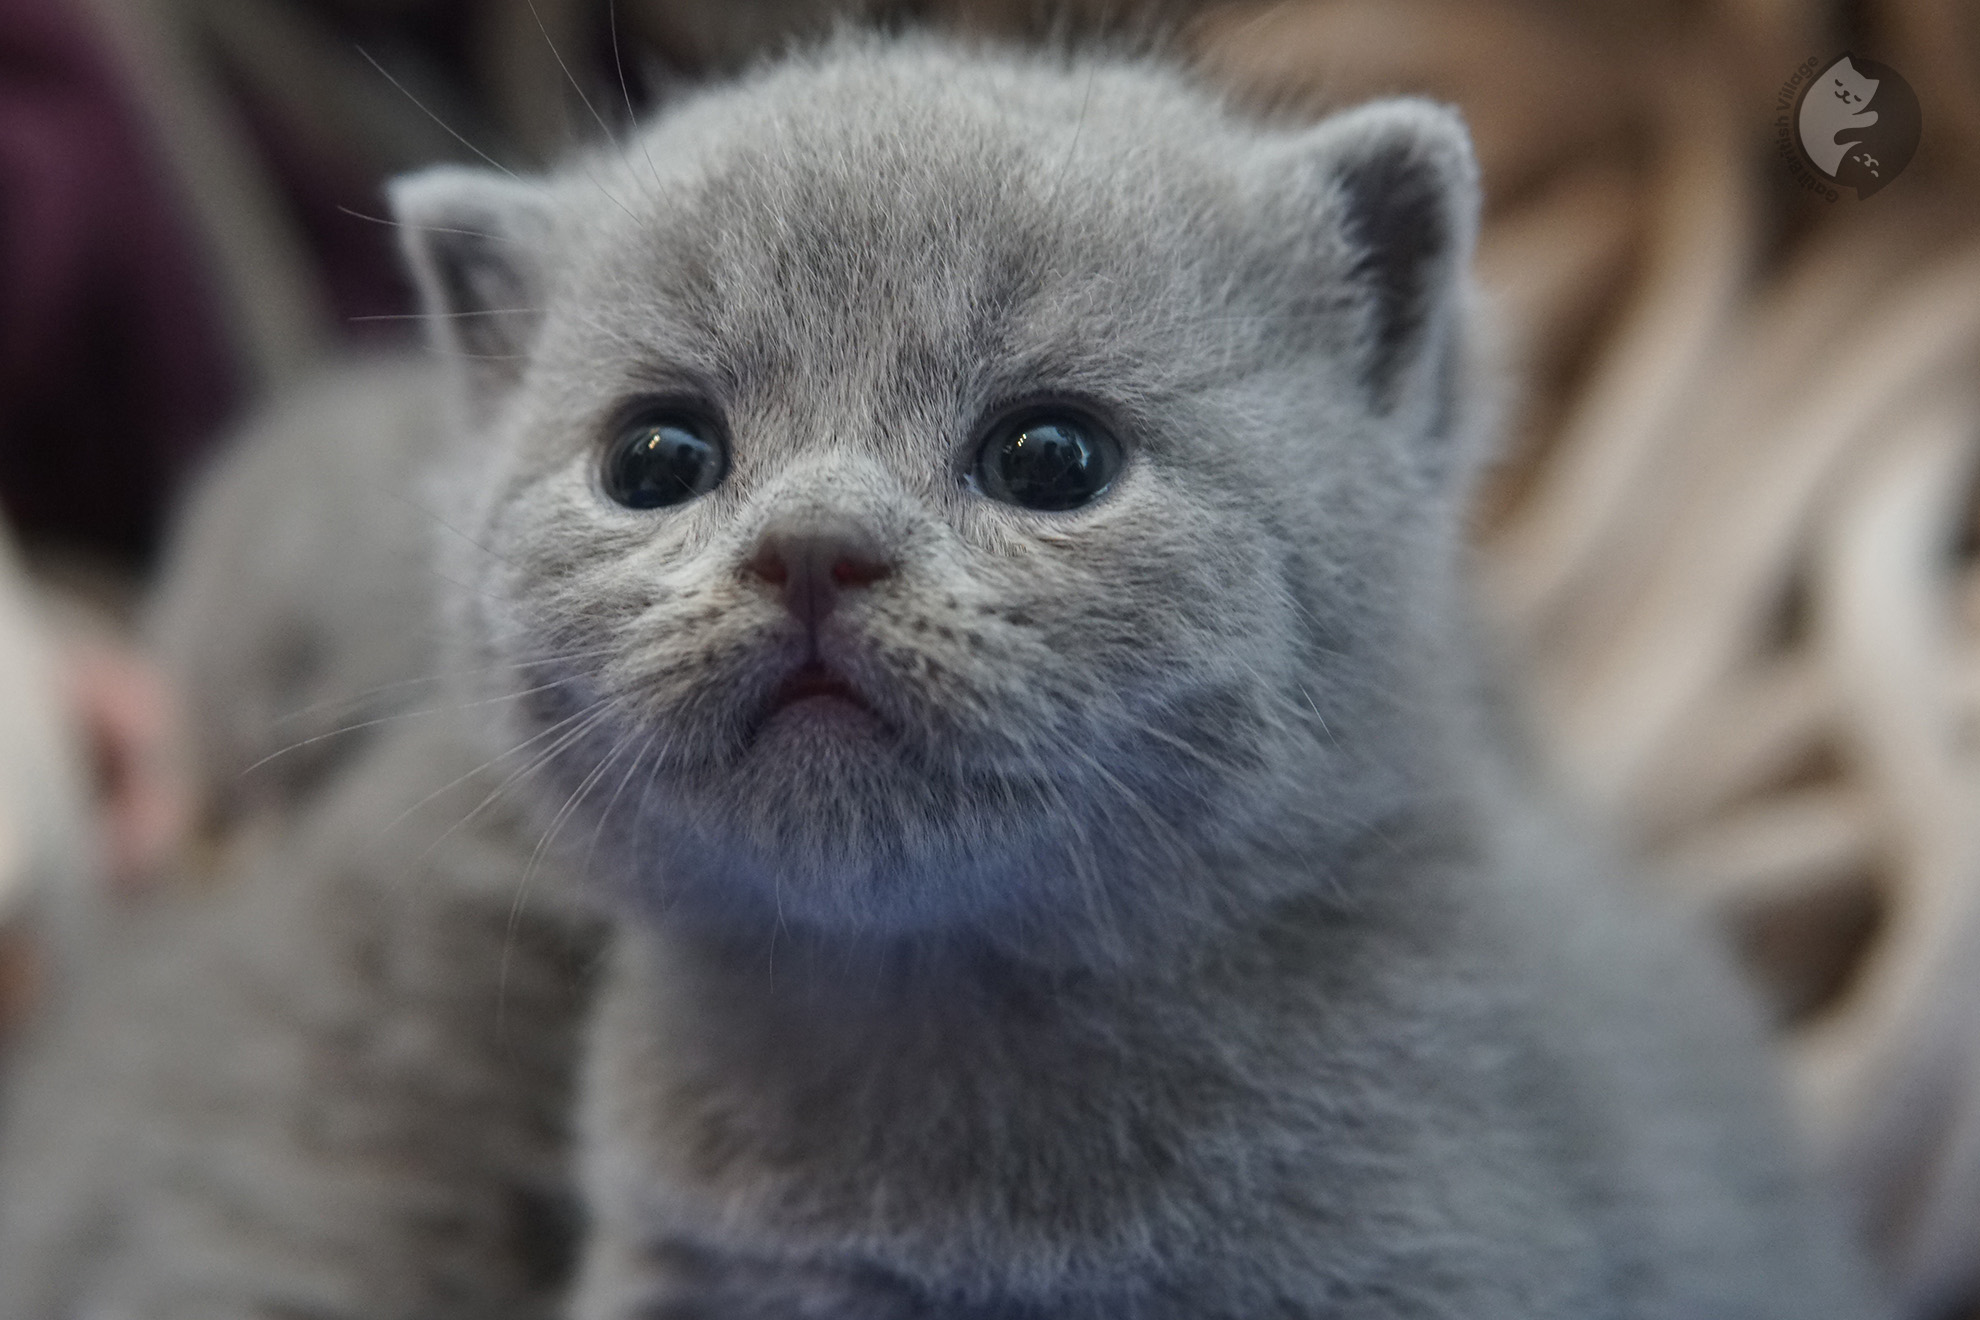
813,564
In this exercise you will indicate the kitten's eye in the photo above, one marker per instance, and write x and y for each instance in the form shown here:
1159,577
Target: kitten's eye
1047,460
663,457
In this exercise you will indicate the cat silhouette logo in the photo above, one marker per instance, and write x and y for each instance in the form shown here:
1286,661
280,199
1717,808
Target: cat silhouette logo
1856,122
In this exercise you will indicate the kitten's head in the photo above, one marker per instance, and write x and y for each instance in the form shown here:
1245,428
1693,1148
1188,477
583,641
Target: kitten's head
922,490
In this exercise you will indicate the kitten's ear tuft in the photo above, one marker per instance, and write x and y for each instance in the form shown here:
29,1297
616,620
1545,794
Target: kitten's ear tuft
1400,185
477,243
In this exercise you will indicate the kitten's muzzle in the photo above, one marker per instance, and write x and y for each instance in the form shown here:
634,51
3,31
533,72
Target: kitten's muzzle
812,560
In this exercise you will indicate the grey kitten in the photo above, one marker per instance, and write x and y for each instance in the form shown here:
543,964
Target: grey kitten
975,541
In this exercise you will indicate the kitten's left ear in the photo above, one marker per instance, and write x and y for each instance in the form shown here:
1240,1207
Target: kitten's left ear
1396,186
478,245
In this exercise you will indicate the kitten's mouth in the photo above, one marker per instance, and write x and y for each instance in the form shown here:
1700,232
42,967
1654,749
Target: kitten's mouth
813,681
814,702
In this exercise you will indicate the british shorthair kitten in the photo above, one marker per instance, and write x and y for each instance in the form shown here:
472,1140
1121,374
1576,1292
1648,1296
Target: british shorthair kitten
951,577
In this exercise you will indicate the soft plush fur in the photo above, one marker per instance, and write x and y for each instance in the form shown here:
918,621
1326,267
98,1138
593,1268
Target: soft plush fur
340,1085
295,610
1161,934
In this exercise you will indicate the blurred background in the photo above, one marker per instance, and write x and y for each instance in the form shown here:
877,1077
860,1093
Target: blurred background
1731,549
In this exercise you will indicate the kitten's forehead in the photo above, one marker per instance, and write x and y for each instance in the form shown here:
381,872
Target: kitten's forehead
863,123
904,213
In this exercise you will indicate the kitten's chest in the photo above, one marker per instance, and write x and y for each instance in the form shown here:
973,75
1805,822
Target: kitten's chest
1085,1151
994,1144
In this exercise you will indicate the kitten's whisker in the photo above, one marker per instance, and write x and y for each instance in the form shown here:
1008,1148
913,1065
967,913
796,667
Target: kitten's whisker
492,761
1085,857
578,794
1314,706
387,719
568,76
583,789
599,184
1079,124
590,717
1182,745
1160,826
582,162
618,65
646,790
625,779
467,588
441,229
444,316
415,505
384,73
632,116
356,700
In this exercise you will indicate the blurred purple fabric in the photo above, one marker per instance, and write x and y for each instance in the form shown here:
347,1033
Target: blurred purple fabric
115,367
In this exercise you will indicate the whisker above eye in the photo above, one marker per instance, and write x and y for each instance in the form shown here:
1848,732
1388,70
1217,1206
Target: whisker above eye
444,316
512,239
618,66
558,55
421,106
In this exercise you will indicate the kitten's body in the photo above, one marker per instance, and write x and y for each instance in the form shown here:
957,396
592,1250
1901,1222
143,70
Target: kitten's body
1463,1095
338,1084
1154,934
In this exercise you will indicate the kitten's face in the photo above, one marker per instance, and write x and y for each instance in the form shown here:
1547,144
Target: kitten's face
779,512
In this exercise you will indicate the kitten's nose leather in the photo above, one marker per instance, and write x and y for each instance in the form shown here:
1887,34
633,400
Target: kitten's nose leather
814,563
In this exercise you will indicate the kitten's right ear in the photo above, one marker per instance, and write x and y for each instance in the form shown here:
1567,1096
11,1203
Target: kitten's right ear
1392,189
478,245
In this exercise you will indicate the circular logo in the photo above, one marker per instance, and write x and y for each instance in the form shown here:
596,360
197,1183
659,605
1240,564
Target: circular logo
1855,122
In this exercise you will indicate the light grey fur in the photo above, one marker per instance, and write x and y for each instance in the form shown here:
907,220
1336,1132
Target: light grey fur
295,611
1172,943
336,1084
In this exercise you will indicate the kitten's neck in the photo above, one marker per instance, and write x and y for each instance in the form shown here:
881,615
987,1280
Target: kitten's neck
774,1081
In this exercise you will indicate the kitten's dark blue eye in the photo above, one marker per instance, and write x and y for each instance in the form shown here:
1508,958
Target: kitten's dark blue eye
1047,460
663,457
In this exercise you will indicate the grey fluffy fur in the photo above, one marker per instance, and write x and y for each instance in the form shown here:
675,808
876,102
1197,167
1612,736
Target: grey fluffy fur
1172,941
294,613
